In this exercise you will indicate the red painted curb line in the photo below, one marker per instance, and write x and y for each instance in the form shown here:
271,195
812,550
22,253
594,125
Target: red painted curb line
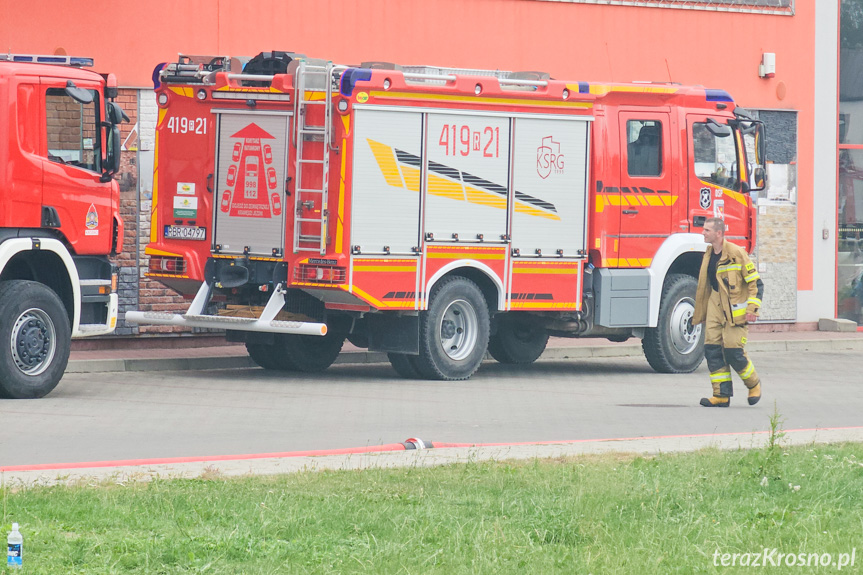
375,449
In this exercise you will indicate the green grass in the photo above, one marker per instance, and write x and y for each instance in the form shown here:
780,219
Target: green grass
593,514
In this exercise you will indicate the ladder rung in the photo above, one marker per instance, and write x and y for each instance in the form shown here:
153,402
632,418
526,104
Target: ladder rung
307,191
312,129
310,238
317,162
316,220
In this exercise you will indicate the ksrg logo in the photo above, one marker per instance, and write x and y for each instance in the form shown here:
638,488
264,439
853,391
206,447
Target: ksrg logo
549,159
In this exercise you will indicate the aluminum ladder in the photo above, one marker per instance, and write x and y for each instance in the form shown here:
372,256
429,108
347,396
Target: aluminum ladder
313,79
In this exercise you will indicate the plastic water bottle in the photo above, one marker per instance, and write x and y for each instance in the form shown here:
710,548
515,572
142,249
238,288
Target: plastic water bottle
15,548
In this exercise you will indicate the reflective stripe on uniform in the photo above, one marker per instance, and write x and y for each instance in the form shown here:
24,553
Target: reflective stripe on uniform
738,309
747,373
728,268
720,376
752,277
754,301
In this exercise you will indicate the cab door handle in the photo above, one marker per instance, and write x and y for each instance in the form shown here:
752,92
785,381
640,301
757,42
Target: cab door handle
630,211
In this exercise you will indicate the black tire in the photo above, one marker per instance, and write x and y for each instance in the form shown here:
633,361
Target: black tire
517,341
35,339
405,365
453,331
264,355
308,353
674,345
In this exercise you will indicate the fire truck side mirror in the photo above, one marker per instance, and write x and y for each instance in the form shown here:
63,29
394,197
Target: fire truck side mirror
717,129
112,157
116,115
759,173
80,95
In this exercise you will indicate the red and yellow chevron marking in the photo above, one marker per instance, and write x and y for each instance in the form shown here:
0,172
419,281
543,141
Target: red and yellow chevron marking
736,196
624,200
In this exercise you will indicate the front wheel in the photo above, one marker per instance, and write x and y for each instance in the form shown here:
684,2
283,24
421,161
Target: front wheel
675,345
35,339
453,331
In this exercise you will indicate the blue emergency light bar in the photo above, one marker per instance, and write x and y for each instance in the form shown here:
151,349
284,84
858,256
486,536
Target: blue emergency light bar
37,59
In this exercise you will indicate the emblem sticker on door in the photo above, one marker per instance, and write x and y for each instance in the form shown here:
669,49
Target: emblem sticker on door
704,199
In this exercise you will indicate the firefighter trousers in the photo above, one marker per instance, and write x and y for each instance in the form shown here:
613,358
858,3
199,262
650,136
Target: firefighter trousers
723,346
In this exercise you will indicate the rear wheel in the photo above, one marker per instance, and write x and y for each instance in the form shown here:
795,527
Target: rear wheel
405,365
675,345
34,339
453,331
263,354
517,341
308,353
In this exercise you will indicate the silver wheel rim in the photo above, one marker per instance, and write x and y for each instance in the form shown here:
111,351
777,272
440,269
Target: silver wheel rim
458,330
33,342
684,336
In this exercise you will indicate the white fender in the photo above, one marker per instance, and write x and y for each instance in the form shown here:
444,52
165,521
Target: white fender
673,247
10,248
467,264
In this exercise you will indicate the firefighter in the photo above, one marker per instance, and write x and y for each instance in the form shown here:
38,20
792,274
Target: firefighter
727,300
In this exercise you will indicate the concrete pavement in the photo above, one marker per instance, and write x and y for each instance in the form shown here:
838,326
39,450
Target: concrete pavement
138,356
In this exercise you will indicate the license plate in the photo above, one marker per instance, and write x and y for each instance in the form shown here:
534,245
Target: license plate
185,233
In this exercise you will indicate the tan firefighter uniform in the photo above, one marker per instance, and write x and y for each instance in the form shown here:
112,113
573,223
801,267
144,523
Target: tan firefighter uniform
723,313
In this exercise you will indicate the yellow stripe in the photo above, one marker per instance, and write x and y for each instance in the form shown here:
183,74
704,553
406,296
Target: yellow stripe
412,178
752,277
523,208
443,188
445,98
602,90
549,305
340,222
377,303
543,271
155,275
445,255
387,163
483,198
384,269
154,252
370,261
748,371
183,92
247,89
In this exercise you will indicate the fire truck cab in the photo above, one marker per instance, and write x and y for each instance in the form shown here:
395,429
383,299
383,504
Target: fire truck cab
59,150
437,214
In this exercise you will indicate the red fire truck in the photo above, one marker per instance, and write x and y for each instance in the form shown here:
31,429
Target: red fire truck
59,150
437,214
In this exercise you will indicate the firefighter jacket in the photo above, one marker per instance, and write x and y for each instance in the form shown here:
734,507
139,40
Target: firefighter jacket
740,285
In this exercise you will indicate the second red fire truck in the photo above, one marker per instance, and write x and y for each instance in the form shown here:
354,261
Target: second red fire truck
437,214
